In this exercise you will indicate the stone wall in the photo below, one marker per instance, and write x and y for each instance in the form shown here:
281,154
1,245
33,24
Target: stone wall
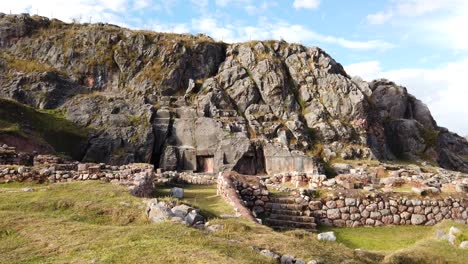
297,179
139,178
377,210
47,160
278,159
228,189
186,178
254,195
8,155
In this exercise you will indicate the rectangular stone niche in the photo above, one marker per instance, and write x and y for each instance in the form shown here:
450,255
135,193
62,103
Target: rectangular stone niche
205,163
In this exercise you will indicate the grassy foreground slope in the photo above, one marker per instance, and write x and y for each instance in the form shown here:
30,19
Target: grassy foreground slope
93,222
86,222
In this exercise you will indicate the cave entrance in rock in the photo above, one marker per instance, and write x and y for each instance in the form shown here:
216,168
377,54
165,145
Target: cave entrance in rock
205,163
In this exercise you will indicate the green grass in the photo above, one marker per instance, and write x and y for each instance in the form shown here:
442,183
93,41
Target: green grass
9,127
405,244
388,238
276,192
86,222
429,250
200,196
403,189
48,126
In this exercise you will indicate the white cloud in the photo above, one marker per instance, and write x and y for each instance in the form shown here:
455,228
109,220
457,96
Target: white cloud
286,31
171,28
439,22
368,70
98,10
297,33
200,3
224,3
140,4
443,89
306,4
379,17
259,8
412,8
210,27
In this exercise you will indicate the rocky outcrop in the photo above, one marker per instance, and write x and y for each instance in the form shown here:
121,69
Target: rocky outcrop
402,127
184,102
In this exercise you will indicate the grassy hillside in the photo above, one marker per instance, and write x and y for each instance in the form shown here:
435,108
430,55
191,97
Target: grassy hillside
43,127
93,222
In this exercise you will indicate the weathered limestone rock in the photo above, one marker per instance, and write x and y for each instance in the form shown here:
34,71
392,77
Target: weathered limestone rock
158,211
327,236
181,210
464,244
270,254
214,107
177,192
193,217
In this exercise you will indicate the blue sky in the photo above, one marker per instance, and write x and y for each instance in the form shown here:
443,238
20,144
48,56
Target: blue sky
421,44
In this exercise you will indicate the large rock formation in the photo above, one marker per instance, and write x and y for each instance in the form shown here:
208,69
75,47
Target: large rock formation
186,102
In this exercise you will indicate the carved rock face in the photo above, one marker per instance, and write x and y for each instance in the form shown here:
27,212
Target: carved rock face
168,99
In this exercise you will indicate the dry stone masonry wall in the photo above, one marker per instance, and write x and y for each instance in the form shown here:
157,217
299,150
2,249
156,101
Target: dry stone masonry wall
185,177
247,199
138,177
8,155
377,210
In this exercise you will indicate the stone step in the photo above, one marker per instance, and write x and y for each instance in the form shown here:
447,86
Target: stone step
285,206
283,228
289,224
294,218
283,200
287,212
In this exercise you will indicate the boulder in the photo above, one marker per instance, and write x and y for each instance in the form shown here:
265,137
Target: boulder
193,217
464,244
177,192
315,261
270,254
419,191
286,259
327,236
418,219
181,210
454,231
158,211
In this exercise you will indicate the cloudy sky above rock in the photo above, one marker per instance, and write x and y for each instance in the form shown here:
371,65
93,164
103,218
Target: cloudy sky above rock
421,44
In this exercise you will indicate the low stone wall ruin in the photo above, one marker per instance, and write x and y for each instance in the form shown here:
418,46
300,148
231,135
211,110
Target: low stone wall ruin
297,180
378,210
247,199
8,155
139,178
186,178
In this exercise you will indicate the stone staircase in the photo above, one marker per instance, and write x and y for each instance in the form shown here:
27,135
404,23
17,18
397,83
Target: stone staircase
284,213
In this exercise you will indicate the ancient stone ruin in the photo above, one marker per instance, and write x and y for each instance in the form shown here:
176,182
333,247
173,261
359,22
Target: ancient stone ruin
256,118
